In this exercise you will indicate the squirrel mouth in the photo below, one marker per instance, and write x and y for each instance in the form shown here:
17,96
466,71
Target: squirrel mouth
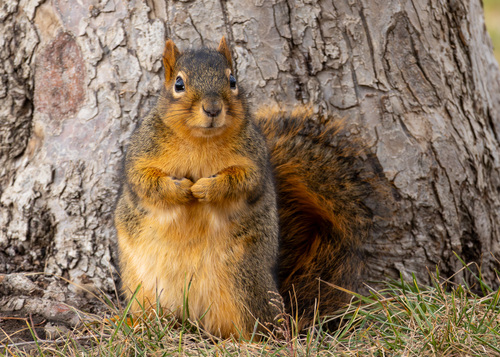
209,130
208,121
211,127
211,122
214,124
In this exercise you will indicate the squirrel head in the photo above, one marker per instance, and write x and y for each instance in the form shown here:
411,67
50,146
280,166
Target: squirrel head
201,98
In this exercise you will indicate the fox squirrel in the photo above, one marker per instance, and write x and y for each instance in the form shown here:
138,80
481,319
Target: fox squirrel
223,212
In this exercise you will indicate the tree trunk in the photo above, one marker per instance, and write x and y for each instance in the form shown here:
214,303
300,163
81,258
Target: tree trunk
416,80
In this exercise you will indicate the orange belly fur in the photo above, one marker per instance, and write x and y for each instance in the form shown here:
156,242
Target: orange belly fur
186,246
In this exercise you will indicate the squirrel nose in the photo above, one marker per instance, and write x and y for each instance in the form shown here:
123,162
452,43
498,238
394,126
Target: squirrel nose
212,109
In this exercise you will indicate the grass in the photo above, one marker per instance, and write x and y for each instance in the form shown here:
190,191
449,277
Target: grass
402,318
492,17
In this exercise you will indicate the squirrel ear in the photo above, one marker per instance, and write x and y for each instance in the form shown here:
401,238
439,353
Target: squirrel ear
170,56
224,49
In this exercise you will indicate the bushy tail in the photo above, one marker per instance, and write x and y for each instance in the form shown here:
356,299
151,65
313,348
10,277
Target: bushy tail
323,221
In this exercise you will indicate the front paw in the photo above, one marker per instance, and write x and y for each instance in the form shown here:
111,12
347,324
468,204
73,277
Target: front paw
204,189
179,190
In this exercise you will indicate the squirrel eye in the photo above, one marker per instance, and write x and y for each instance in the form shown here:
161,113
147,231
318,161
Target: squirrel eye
232,81
179,85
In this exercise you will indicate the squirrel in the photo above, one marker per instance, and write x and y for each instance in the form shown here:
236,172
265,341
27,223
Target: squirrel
223,211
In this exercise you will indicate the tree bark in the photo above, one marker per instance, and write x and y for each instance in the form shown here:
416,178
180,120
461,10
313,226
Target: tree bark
416,80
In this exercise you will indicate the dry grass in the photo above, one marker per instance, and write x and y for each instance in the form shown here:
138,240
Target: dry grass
492,17
400,319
